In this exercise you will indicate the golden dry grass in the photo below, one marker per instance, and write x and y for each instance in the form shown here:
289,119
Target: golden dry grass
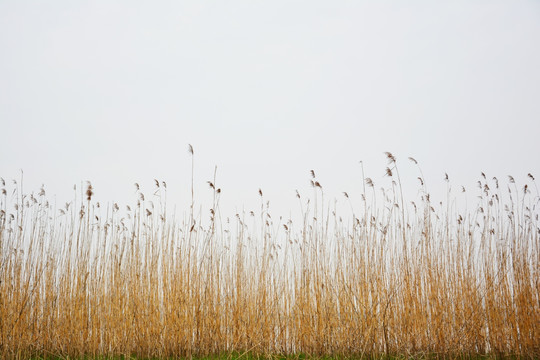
410,280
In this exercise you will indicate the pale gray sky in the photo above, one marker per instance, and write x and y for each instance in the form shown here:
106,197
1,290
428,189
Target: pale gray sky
113,91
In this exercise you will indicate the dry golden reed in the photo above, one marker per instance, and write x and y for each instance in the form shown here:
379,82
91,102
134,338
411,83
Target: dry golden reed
412,280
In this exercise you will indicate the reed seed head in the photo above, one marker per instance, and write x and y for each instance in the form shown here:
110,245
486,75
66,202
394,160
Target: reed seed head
89,191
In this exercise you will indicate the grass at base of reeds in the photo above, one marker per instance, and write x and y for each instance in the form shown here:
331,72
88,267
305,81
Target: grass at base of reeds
244,356
393,281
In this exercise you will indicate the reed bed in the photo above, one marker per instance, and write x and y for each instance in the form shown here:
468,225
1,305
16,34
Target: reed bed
394,278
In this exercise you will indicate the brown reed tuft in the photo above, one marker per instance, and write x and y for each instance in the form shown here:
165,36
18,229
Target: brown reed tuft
89,191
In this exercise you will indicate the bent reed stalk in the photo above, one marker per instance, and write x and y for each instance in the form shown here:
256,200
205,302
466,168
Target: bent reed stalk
419,280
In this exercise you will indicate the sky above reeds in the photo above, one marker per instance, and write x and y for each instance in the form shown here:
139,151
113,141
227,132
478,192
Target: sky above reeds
114,91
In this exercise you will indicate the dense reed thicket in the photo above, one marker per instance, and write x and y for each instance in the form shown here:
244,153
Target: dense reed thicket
395,278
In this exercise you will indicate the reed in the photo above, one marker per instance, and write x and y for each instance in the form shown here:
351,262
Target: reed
410,279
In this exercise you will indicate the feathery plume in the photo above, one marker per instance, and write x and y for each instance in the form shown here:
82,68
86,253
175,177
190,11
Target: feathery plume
390,157
89,191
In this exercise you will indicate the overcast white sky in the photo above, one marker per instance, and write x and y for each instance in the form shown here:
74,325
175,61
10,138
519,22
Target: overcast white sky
113,91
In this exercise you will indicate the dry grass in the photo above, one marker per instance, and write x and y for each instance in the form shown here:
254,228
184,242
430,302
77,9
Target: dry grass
411,280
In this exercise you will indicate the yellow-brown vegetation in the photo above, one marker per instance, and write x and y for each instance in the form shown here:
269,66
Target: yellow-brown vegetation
397,278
